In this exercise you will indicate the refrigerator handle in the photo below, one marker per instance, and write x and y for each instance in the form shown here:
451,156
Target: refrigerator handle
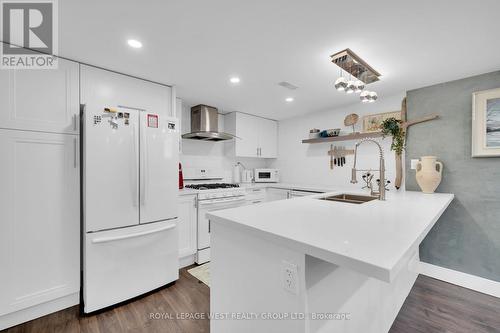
134,161
138,234
144,165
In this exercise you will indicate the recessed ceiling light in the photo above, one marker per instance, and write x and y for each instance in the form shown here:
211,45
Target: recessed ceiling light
289,99
134,43
234,79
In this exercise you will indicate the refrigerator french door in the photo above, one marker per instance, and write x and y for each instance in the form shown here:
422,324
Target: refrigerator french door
130,166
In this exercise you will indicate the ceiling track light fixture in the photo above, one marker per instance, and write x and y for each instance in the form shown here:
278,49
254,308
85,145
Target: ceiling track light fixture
360,75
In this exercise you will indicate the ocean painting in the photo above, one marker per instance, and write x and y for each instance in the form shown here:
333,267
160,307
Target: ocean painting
493,123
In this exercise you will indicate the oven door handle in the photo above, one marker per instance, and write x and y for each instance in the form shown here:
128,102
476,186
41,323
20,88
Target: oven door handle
215,202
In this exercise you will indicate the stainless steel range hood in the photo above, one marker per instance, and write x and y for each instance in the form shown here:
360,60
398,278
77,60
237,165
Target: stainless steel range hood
205,125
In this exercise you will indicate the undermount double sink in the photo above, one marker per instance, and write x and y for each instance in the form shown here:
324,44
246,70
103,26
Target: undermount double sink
349,198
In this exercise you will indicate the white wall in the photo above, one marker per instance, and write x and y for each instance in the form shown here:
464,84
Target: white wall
309,163
210,155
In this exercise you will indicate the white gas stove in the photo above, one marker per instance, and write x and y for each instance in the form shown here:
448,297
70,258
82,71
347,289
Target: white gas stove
213,195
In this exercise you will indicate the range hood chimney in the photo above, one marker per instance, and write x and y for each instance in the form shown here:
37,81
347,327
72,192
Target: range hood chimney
205,125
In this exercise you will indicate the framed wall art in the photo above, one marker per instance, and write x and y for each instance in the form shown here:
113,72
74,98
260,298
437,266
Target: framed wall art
486,123
372,122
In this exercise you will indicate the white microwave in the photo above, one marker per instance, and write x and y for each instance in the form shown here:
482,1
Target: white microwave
266,175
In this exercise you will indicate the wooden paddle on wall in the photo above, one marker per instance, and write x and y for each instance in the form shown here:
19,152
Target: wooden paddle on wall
405,124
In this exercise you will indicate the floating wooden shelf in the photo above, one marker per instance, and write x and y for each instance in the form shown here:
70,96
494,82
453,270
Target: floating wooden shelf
354,136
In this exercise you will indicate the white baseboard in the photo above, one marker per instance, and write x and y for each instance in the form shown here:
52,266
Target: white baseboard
37,311
186,261
465,280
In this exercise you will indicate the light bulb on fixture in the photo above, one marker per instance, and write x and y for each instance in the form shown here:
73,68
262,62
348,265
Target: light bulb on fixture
365,96
351,86
373,97
359,86
341,83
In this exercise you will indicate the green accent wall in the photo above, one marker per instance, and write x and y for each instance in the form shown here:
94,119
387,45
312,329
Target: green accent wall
467,236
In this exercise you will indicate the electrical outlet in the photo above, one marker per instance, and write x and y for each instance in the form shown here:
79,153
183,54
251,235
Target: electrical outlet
413,164
290,277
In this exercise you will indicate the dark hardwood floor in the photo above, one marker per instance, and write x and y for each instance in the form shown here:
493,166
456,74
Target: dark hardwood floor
432,306
440,307
187,295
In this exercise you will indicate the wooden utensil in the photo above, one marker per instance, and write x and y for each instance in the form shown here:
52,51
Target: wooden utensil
351,120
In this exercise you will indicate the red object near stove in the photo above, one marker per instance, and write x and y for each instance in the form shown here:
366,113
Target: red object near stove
181,178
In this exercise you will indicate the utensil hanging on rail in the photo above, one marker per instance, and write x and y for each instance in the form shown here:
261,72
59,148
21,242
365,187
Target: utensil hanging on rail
338,155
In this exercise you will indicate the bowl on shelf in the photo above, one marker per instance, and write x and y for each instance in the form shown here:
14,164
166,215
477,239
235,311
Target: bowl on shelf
330,132
314,133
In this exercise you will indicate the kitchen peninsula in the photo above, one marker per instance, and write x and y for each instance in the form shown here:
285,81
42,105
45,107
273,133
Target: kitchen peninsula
313,265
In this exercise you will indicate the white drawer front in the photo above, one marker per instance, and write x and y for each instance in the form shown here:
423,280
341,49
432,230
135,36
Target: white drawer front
124,263
256,194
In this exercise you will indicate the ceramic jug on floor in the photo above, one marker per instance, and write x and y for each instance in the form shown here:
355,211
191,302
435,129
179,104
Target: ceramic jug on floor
429,172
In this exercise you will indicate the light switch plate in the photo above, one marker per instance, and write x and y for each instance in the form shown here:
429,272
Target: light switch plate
413,164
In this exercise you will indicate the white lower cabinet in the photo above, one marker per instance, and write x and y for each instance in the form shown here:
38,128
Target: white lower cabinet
256,195
274,194
39,219
186,224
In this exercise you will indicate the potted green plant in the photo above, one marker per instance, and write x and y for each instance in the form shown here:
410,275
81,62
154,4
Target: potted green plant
395,128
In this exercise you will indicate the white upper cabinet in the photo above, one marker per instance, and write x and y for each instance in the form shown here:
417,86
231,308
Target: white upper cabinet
268,138
247,143
257,137
43,100
117,90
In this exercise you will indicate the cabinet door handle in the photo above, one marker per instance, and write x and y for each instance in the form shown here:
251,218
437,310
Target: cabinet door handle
75,122
75,157
257,151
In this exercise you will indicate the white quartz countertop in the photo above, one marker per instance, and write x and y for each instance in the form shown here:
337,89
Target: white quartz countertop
373,238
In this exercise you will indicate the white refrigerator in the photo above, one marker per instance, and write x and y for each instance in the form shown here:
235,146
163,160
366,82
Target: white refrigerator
130,184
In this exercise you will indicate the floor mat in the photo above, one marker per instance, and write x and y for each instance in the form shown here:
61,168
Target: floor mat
202,273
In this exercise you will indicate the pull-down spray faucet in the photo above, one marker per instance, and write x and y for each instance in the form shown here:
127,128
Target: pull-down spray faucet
381,170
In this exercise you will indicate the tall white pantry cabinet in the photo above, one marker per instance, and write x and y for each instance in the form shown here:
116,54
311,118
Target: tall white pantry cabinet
39,191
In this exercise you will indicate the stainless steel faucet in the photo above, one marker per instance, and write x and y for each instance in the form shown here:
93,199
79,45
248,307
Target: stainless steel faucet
381,170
